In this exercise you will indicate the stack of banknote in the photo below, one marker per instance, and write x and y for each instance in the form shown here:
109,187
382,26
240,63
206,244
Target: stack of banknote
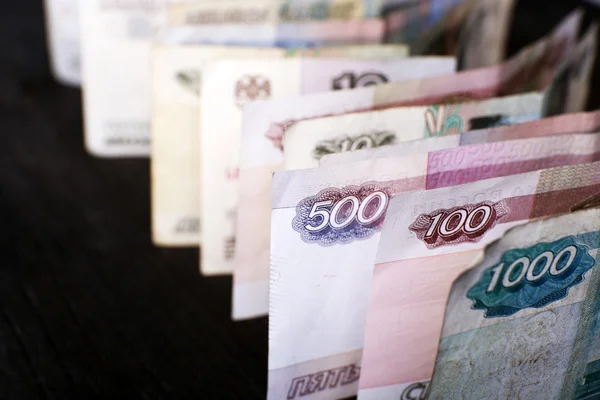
382,178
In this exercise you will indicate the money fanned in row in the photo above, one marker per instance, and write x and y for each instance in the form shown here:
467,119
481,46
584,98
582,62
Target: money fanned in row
415,210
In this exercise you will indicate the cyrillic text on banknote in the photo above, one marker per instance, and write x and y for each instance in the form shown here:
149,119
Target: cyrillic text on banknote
323,380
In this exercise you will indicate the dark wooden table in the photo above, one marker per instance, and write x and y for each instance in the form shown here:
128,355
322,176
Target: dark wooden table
88,307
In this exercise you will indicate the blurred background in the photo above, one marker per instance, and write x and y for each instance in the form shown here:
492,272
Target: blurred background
89,308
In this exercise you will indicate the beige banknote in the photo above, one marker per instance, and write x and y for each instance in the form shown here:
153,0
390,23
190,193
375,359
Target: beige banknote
558,125
227,85
306,142
177,76
326,225
287,34
63,35
176,81
115,62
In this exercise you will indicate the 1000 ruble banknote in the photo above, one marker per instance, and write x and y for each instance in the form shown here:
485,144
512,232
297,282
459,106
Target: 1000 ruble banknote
524,322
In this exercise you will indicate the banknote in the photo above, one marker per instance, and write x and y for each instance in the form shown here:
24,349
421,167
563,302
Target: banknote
227,85
588,381
443,232
118,39
523,323
214,12
289,34
344,133
558,125
116,46
176,77
484,36
366,51
325,233
62,26
305,142
428,26
571,89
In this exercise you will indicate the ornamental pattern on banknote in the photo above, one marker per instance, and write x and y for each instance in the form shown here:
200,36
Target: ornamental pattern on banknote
189,80
456,225
443,120
250,88
531,278
350,80
352,143
291,11
342,215
276,132
323,380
